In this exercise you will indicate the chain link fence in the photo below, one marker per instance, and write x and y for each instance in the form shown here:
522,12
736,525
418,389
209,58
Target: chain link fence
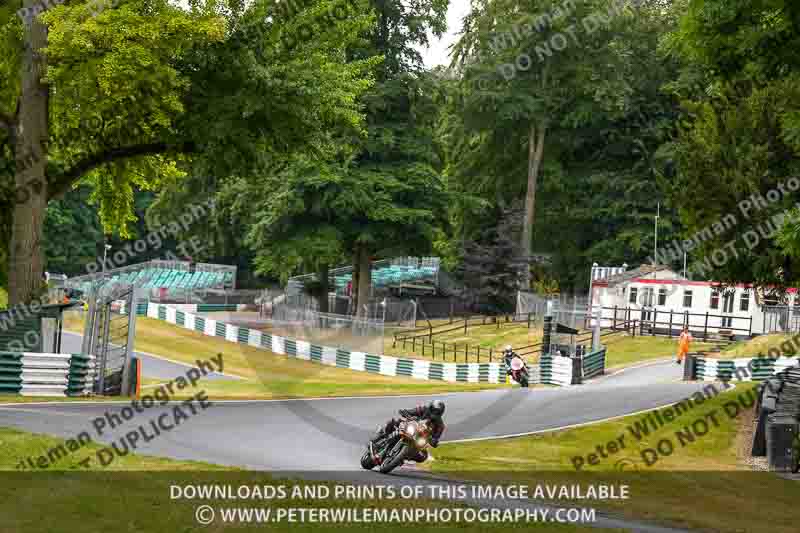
568,309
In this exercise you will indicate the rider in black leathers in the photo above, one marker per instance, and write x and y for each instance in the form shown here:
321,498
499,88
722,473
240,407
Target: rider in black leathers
432,412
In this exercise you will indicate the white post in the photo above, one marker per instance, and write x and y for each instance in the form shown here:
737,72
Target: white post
655,237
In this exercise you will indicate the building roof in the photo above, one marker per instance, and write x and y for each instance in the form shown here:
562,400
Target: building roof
630,275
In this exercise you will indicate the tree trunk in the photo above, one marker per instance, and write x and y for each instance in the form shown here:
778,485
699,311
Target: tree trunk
26,261
323,288
364,281
354,282
535,151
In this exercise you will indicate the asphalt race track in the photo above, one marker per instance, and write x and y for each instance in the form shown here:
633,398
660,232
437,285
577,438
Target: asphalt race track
327,436
152,366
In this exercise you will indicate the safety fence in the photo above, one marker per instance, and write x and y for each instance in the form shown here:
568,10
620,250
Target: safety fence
670,323
332,356
777,429
46,374
706,368
424,339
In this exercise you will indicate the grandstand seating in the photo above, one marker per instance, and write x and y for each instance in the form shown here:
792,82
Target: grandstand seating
152,278
391,275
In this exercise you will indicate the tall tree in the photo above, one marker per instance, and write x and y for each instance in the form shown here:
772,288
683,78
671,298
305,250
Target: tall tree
376,193
215,81
739,138
536,70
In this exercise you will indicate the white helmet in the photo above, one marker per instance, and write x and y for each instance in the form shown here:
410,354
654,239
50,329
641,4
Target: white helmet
508,348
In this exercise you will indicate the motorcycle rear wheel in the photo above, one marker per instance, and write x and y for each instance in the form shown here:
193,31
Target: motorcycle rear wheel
395,457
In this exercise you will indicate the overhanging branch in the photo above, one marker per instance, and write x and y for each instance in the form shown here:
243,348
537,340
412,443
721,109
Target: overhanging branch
58,185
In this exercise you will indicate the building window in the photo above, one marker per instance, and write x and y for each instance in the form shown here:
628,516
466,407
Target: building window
715,299
744,301
633,295
687,298
662,296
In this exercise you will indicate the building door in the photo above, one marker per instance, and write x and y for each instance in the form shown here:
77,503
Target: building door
727,308
647,304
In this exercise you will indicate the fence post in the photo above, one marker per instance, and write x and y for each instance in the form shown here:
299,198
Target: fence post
466,353
413,344
433,351
479,353
655,321
750,332
491,359
529,320
670,323
705,328
614,326
465,325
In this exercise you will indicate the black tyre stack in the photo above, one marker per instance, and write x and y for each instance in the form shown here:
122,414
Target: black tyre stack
776,435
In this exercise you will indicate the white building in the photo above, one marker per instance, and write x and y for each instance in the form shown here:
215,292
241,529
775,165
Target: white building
662,299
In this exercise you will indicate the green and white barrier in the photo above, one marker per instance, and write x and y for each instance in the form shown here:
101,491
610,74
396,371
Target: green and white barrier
141,308
555,370
46,374
593,364
741,369
326,355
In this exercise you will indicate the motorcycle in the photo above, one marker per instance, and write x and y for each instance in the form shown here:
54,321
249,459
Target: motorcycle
411,437
519,371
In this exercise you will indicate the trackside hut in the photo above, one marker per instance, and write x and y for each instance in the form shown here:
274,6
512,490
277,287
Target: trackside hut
657,293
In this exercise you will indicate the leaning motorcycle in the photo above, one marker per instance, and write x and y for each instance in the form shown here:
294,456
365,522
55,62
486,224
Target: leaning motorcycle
411,437
519,371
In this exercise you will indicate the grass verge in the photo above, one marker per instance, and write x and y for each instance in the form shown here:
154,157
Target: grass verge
272,376
135,492
702,484
623,350
276,389
772,344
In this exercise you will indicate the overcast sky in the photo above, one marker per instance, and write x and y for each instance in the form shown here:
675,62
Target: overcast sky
437,53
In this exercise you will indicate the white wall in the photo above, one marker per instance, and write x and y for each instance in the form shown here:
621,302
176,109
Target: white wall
674,301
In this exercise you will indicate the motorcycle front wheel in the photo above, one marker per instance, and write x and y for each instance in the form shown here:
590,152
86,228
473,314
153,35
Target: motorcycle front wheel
395,457
367,462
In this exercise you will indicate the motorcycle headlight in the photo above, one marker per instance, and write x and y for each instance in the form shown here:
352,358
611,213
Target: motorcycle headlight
421,442
411,429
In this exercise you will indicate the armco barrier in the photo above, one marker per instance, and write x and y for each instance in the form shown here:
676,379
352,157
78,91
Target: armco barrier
741,369
339,357
40,374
